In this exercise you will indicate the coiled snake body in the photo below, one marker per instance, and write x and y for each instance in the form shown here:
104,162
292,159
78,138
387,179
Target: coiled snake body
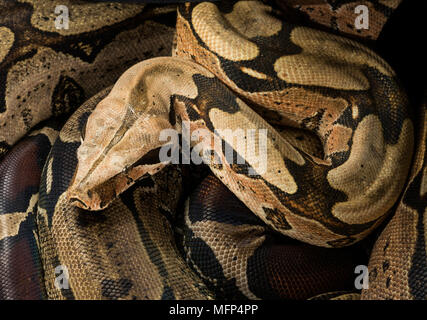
338,145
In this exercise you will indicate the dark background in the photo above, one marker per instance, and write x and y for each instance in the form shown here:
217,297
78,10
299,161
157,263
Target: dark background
402,43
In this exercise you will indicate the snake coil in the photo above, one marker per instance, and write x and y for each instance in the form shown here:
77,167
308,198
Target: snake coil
98,202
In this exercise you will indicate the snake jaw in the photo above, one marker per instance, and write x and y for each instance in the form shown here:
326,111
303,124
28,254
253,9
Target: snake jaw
99,197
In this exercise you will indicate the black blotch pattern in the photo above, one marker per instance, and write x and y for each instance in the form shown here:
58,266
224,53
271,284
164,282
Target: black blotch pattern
151,248
386,265
172,114
224,100
64,157
302,202
392,104
373,274
67,96
168,293
115,289
387,282
224,207
204,262
278,219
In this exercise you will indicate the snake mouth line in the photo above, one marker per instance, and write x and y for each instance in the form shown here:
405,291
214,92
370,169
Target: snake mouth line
78,202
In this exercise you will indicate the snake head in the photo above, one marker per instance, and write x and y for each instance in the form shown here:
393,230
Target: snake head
122,136
120,142
119,148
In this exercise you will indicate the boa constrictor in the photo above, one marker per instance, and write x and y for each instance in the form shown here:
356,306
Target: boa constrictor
329,196
355,106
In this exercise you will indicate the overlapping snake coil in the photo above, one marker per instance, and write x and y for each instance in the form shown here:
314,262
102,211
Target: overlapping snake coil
327,172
